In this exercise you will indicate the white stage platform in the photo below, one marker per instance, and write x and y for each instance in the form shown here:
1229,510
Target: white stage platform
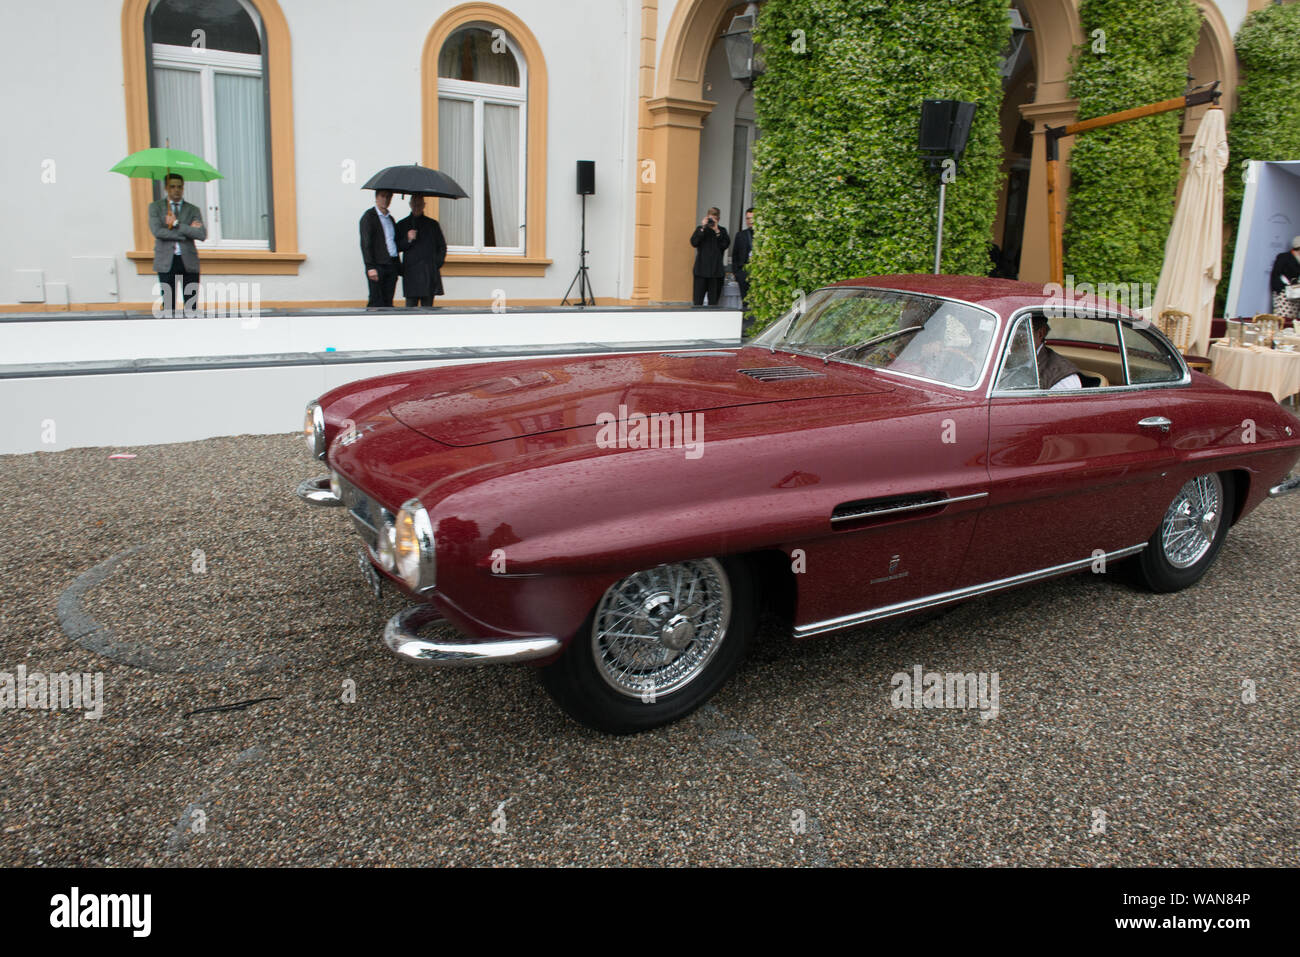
70,380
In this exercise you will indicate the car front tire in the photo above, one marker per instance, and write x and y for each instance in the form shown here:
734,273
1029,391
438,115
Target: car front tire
1190,535
658,644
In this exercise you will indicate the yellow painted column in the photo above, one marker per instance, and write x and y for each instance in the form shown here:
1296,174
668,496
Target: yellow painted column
645,166
676,124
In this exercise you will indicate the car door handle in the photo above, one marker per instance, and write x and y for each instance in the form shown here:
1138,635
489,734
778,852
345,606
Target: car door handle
1155,422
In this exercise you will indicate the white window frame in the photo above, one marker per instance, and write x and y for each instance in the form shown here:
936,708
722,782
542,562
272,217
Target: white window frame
479,94
207,63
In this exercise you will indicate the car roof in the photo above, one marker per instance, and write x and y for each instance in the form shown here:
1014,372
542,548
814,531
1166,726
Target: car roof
1003,296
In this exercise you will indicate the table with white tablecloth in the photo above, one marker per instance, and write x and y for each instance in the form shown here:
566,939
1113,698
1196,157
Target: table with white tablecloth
1256,368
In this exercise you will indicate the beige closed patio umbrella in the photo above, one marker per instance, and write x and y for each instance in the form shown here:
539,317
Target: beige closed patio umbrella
1194,251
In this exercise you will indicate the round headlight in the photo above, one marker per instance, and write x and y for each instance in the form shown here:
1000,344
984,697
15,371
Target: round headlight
313,430
413,546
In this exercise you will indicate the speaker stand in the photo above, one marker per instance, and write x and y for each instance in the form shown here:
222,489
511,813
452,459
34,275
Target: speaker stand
585,295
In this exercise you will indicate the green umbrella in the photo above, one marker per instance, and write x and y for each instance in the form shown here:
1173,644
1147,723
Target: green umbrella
158,161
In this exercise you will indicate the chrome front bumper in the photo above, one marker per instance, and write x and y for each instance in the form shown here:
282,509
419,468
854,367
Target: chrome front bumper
401,635
316,491
1290,484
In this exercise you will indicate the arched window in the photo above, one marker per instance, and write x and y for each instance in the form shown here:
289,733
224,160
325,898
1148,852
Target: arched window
482,137
208,96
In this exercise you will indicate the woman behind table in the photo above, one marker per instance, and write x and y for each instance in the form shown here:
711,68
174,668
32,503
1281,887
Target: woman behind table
1286,272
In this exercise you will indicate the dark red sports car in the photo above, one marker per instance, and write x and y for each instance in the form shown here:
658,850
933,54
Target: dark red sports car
893,444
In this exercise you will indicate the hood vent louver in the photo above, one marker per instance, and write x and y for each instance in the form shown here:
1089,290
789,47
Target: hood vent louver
781,373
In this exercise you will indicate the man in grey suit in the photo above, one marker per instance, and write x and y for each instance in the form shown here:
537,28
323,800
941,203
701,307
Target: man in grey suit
174,255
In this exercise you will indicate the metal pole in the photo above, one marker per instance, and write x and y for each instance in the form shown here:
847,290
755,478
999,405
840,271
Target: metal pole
938,239
1055,226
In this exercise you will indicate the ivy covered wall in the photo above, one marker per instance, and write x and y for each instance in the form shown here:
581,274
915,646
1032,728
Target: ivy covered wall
840,189
1123,179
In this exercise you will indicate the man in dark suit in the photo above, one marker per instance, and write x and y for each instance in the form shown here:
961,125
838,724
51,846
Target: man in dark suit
175,225
710,241
379,250
1286,272
424,250
741,250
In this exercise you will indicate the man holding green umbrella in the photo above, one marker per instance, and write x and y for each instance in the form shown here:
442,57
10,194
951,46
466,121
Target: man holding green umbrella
174,223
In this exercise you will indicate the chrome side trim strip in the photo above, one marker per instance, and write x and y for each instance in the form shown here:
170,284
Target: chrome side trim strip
918,507
316,491
1290,484
949,597
402,639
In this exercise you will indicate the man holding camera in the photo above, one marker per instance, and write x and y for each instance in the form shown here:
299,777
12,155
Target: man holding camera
710,241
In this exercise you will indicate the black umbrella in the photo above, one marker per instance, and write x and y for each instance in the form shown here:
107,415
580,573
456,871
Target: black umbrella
416,179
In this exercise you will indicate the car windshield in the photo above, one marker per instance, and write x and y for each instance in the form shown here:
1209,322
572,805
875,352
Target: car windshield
903,332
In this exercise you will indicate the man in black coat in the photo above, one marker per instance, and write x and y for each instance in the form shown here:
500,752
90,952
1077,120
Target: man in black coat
740,253
1286,272
379,250
424,250
710,241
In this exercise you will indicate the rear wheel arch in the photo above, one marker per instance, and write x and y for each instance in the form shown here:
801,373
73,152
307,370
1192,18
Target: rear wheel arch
775,582
1240,480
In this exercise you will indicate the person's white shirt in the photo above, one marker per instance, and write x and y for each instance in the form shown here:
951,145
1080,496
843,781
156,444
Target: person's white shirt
1069,382
389,227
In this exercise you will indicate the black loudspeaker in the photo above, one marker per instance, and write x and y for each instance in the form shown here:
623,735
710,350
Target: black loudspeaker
586,177
945,126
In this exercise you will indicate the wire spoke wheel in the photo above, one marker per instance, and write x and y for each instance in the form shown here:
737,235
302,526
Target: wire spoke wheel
1192,522
656,645
656,631
1190,535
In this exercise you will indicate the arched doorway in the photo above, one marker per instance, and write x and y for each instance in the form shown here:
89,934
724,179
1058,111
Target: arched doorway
670,137
1036,97
1215,58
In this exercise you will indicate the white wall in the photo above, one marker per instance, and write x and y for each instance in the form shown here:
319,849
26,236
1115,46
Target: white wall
1234,11
62,104
108,340
357,96
52,412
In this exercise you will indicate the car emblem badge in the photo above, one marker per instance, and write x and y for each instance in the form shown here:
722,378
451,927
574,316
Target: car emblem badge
354,433
893,574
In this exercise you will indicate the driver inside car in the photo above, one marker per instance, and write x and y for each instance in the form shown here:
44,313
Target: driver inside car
1055,372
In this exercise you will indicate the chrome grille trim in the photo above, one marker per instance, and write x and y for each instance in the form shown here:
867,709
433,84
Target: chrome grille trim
365,512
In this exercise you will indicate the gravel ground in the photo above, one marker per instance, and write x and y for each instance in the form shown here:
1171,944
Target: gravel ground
1122,737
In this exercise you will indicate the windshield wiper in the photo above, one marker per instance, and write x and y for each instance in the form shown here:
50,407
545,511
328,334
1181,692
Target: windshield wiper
867,342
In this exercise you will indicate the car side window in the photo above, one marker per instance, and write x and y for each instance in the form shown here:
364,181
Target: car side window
1149,359
1019,370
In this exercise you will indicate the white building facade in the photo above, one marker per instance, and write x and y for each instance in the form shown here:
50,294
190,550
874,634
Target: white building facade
298,102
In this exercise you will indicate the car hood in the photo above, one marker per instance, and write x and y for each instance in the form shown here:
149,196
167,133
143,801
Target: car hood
509,400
